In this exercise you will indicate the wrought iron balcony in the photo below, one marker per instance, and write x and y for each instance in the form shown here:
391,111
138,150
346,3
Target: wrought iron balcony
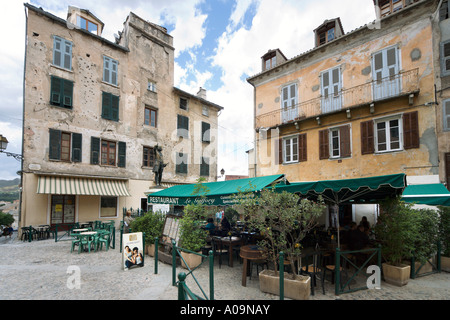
401,84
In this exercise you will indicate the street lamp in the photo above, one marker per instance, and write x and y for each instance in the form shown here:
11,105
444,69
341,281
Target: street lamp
222,172
4,144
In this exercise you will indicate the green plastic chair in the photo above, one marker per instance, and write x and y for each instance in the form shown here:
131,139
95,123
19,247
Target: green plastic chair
75,241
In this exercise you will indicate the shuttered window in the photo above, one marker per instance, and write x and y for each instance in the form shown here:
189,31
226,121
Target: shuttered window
206,132
110,70
411,138
182,126
182,162
61,92
445,58
108,153
204,167
122,157
95,150
110,106
62,53
446,115
335,143
290,149
65,146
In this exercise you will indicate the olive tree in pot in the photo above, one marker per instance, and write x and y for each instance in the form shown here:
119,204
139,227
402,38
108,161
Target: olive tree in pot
426,242
444,232
396,230
192,235
151,223
284,220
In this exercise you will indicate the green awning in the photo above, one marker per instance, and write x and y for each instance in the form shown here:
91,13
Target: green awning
359,190
219,193
431,194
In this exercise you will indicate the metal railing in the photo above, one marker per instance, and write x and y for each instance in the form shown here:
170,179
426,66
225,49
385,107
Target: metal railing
402,83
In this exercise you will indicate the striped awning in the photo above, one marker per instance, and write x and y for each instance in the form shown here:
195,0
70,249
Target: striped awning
82,186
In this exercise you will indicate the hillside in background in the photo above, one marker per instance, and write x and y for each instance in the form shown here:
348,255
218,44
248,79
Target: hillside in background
9,190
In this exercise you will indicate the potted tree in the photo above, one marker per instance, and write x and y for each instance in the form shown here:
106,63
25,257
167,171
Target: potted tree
426,241
284,220
151,223
192,235
444,231
396,230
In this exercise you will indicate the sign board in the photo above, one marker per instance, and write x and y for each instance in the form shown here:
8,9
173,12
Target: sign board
133,250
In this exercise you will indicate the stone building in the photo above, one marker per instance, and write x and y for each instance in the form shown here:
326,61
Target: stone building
358,104
95,111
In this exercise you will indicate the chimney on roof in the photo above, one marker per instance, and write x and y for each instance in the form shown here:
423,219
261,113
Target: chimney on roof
201,93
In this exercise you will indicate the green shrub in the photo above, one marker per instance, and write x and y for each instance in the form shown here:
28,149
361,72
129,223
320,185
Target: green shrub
6,219
192,235
152,223
444,230
427,235
397,230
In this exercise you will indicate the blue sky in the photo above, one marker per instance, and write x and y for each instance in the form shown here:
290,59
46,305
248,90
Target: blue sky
218,44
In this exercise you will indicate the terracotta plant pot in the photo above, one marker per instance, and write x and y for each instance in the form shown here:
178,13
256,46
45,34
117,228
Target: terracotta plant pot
191,259
297,289
445,264
396,275
150,249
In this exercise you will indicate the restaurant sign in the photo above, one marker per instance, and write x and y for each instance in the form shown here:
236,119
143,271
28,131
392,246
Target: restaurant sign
219,200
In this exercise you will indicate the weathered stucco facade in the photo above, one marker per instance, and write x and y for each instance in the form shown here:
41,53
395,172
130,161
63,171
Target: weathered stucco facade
96,109
348,97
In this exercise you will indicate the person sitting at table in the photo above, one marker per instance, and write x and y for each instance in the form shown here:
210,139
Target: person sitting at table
225,225
211,227
358,238
366,224
127,222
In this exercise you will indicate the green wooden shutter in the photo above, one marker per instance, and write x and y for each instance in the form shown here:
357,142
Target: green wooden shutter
114,108
122,154
76,147
67,93
54,152
204,167
95,150
106,105
55,91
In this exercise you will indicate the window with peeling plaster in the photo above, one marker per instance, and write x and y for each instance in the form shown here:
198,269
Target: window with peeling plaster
62,53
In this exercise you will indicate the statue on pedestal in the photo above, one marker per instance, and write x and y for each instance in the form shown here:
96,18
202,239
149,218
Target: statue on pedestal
158,166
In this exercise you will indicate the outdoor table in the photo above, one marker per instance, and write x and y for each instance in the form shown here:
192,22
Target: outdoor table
248,253
80,230
231,242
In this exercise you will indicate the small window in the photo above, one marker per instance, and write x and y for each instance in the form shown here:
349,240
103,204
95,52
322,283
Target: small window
290,150
150,116
182,126
108,153
62,53
151,86
65,146
206,132
446,114
108,207
205,111
87,25
148,157
183,103
204,167
388,135
110,70
445,58
182,163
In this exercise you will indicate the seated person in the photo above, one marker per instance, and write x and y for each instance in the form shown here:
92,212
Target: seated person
225,226
358,238
211,227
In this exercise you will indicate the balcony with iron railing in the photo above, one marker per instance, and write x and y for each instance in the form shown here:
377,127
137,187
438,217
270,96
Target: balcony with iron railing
402,84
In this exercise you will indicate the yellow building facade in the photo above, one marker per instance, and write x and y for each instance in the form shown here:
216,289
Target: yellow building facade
358,104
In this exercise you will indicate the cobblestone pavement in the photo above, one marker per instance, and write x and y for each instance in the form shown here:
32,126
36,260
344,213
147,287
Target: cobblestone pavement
43,270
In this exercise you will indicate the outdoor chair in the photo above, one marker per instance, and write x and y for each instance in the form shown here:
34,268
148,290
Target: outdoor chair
332,269
218,249
312,265
75,242
103,238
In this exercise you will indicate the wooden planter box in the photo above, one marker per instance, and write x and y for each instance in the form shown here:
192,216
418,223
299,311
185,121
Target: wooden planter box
398,276
445,264
191,259
297,289
150,250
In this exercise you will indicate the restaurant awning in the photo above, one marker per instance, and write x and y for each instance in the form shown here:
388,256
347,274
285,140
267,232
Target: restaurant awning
435,194
82,186
219,193
359,190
